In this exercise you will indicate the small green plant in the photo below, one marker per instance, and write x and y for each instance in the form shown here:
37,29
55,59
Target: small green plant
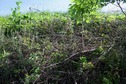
15,19
85,64
31,78
16,11
106,81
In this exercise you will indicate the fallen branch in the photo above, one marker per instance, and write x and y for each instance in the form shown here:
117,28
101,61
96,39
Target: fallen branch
76,55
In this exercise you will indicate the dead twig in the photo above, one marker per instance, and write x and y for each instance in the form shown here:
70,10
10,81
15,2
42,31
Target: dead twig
118,2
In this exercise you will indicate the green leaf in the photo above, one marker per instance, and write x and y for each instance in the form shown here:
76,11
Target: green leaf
83,59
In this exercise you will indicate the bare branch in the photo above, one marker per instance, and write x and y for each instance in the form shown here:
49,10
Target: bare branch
70,58
118,2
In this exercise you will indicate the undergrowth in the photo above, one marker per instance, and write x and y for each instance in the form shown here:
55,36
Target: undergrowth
50,48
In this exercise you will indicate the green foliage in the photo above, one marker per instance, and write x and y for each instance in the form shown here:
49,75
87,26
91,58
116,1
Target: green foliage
16,11
44,47
30,78
106,81
99,50
83,59
112,67
85,64
15,20
81,9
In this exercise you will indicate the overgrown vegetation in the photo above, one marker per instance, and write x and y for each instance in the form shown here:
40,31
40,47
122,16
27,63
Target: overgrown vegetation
58,48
